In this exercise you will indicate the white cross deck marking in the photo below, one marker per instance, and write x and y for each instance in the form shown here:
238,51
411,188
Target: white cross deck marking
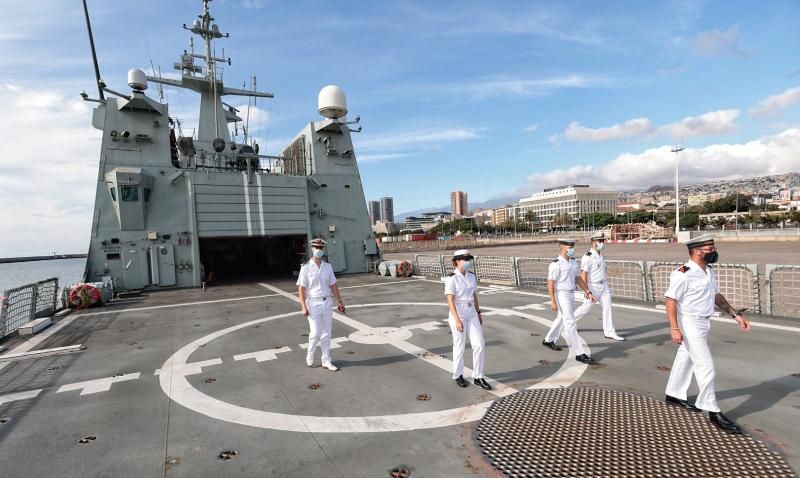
98,385
178,388
500,312
16,356
13,397
334,343
569,372
426,326
531,307
37,339
172,306
445,364
263,355
378,285
193,368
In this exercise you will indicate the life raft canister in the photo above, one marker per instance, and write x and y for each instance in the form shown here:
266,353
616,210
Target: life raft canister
84,295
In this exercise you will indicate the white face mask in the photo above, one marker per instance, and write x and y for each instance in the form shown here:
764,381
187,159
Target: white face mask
318,253
570,252
600,246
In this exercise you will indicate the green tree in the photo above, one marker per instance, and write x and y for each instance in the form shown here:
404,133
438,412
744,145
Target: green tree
531,218
728,204
690,220
597,219
562,220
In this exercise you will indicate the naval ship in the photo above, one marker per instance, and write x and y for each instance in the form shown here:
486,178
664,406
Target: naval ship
170,209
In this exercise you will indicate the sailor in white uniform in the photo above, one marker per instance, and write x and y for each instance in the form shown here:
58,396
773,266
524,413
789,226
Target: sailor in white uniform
562,276
465,319
690,298
593,272
316,283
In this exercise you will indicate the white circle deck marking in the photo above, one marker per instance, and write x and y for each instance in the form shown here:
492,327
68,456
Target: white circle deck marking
380,335
178,388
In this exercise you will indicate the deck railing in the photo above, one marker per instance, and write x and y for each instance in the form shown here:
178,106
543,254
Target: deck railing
773,292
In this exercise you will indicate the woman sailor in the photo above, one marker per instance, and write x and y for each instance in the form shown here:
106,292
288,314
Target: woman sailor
315,285
465,319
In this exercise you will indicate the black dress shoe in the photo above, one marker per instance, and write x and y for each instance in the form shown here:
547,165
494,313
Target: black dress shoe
724,423
461,382
551,345
681,403
482,383
583,358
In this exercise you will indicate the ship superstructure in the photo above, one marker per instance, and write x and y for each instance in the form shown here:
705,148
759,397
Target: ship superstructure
171,209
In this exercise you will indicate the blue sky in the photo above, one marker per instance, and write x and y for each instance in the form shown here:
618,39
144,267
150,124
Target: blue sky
496,99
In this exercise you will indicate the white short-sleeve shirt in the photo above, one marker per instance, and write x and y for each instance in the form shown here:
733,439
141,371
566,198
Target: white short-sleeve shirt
694,289
461,286
594,265
317,280
563,272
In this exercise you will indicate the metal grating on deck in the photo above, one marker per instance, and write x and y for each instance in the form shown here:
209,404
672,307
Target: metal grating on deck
594,432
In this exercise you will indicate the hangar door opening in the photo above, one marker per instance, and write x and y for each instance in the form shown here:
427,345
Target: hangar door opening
234,259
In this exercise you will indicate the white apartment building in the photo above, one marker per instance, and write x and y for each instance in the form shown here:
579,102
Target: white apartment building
576,200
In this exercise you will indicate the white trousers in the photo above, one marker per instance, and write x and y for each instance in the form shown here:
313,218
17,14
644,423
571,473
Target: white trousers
473,329
603,295
566,320
694,356
320,322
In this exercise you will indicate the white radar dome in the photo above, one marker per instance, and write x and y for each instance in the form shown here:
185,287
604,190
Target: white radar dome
332,102
137,79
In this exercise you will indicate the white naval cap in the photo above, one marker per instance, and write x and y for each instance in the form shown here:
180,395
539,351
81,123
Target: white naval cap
598,237
700,241
318,242
462,254
566,241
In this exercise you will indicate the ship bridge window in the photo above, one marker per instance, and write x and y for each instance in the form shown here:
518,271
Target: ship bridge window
113,192
129,193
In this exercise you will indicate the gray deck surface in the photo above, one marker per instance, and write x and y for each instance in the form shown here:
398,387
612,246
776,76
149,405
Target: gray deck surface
138,427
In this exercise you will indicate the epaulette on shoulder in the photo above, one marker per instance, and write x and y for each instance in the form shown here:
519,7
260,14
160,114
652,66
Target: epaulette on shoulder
683,269
555,260
471,272
589,253
451,274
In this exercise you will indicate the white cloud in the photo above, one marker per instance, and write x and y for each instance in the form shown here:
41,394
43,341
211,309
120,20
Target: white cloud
630,128
775,103
707,124
716,42
374,158
416,139
532,128
51,186
253,4
259,118
772,154
526,87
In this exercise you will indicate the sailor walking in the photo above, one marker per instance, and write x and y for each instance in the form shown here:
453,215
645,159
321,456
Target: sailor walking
690,298
465,319
593,273
316,283
562,276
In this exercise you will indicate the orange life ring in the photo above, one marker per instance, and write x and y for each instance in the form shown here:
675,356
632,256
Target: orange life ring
84,295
